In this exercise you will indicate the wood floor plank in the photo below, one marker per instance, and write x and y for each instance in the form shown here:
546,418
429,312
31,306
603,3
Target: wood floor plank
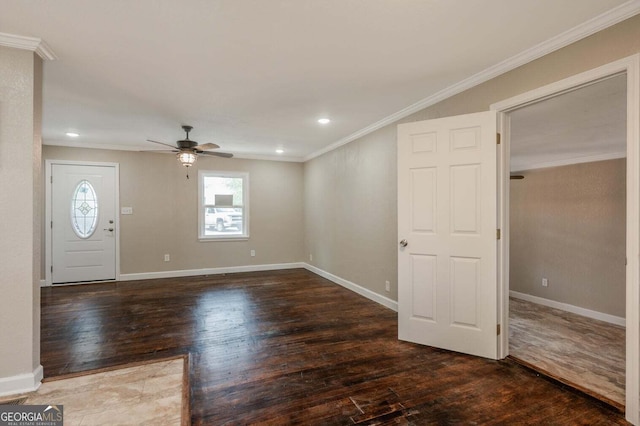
289,347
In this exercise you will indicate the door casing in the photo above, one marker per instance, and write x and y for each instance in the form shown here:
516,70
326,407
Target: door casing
48,212
630,66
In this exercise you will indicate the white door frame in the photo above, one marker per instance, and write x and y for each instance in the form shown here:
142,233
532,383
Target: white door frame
630,66
48,215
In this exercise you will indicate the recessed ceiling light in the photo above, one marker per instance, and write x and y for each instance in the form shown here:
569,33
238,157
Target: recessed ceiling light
72,134
324,121
280,151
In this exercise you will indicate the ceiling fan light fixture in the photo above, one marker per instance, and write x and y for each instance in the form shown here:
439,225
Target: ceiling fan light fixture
187,158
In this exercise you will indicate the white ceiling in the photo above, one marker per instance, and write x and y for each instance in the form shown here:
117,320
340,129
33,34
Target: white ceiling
255,75
588,124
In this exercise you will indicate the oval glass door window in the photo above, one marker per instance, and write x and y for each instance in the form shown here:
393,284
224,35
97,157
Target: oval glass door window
84,210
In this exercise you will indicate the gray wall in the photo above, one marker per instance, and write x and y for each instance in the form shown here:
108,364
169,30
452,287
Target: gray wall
165,218
568,225
340,249
350,212
20,215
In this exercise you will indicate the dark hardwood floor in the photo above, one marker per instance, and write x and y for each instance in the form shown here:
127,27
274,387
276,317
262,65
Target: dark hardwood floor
289,347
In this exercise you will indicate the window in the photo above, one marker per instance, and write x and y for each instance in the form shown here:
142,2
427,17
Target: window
84,210
223,205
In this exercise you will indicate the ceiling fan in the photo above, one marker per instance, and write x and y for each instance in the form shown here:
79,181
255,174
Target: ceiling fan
189,150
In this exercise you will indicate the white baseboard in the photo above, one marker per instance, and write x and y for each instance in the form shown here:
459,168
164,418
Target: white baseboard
612,319
208,271
22,383
43,283
384,301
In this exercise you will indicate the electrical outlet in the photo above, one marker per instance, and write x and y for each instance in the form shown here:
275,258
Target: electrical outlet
167,258
253,253
387,285
545,282
310,258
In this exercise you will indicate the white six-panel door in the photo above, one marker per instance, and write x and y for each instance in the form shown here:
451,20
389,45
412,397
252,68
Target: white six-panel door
83,214
447,216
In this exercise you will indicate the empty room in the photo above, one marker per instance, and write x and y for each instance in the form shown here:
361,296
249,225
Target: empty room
301,212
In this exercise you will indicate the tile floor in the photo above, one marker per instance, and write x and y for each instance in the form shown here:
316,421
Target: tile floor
584,351
149,394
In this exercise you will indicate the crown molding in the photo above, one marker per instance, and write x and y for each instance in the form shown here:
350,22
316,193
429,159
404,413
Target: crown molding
89,145
118,147
592,26
268,157
33,44
523,167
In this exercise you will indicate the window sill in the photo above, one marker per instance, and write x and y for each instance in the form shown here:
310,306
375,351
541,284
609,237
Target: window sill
215,239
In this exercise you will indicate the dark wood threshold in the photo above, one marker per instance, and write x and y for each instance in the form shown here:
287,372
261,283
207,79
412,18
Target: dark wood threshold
596,397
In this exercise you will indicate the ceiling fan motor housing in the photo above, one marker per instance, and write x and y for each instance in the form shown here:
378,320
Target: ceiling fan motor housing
186,144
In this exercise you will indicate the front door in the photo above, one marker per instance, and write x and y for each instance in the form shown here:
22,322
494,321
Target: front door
447,220
83,213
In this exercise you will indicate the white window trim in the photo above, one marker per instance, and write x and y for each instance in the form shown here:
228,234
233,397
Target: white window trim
245,205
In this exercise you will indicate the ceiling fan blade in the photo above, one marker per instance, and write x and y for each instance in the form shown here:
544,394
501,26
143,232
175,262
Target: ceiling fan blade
207,146
217,154
161,151
162,143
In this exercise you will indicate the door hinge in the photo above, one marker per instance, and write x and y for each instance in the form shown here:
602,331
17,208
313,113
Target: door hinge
498,329
51,178
51,268
498,138
51,224
498,233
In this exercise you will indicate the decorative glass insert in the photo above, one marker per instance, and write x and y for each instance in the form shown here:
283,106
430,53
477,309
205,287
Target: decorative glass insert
84,210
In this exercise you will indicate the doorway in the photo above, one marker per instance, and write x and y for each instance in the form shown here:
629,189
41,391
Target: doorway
81,214
567,237
629,68
440,304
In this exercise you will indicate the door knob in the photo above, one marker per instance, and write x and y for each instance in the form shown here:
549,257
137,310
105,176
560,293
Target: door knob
403,243
108,229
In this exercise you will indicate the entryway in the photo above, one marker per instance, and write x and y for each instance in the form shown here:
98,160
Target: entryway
442,281
567,237
82,231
